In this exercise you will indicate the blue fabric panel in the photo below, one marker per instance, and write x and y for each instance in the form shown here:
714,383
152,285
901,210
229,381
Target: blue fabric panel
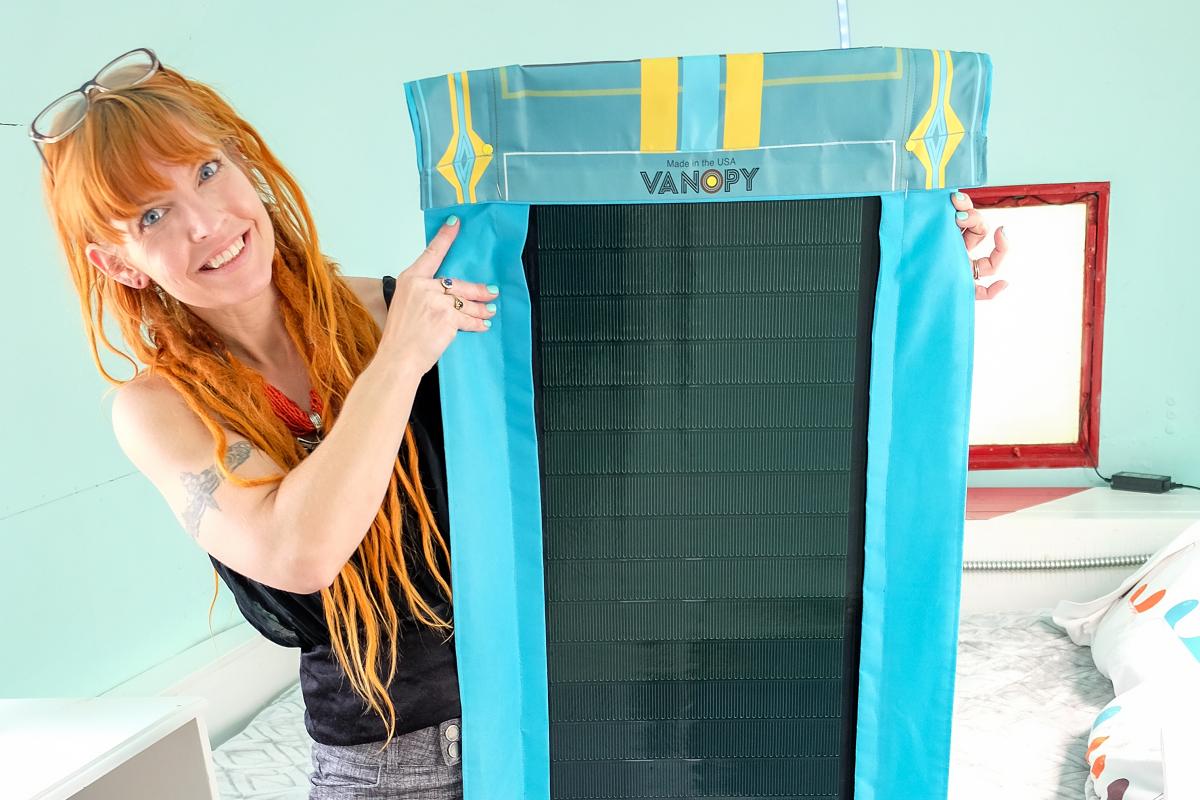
700,102
916,495
495,514
861,120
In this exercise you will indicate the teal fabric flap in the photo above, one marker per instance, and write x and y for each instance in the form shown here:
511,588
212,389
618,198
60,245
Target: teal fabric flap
922,350
836,122
495,516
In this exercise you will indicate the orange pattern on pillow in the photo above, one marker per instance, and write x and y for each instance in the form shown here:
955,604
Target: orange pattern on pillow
1147,604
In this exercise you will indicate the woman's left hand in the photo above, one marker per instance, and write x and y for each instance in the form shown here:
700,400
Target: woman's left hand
974,231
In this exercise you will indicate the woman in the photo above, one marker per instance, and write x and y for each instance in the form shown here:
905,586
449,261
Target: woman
177,218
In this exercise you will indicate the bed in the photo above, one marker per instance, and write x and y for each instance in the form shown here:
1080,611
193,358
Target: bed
270,758
1025,699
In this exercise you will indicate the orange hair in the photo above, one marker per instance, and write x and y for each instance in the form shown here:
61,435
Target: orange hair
100,174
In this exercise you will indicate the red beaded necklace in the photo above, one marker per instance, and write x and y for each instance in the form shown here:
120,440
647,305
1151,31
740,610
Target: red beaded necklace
298,421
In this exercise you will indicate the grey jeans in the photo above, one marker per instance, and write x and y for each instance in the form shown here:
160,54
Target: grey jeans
422,765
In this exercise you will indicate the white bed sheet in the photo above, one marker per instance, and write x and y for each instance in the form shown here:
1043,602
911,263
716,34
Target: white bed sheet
1025,699
271,758
1024,703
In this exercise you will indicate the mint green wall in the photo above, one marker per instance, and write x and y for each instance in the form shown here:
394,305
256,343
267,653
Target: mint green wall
1089,90
100,581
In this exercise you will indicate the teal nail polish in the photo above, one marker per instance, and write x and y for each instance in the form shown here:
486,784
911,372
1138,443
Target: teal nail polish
962,215
491,307
493,288
487,323
452,220
959,196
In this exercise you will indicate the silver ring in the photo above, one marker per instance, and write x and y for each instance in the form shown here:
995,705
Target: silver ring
447,285
975,270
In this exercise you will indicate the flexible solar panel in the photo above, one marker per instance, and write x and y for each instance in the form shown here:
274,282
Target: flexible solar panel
701,393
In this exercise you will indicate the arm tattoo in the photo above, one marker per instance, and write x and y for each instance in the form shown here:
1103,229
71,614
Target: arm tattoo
200,486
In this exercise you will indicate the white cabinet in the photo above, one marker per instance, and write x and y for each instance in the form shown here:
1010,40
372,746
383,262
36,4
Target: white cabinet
105,748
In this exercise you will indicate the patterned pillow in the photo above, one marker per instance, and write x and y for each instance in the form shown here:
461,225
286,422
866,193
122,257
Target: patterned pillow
1125,751
1148,644
1153,631
1080,620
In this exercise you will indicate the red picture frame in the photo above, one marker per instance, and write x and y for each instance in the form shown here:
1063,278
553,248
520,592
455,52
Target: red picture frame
1085,451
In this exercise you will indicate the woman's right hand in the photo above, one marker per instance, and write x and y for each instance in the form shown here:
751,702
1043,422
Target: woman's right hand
422,320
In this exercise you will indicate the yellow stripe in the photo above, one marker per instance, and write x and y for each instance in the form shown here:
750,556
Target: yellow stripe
915,143
743,100
446,165
954,126
660,105
481,150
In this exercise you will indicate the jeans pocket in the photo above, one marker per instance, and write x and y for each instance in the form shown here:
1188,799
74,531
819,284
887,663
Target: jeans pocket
427,782
333,770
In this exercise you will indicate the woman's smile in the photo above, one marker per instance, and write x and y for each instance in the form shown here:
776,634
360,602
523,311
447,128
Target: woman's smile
229,261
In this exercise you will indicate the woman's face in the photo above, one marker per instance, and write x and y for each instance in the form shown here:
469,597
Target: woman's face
207,241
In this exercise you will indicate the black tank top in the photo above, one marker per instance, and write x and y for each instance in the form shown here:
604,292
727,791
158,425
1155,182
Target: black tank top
425,689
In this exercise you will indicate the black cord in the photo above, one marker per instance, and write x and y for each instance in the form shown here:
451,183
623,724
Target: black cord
1106,480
